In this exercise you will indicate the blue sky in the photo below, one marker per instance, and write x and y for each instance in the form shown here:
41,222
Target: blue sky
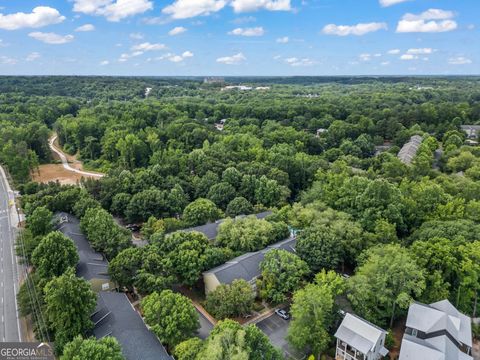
239,37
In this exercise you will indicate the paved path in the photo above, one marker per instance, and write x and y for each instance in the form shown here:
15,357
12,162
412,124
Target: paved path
9,269
65,163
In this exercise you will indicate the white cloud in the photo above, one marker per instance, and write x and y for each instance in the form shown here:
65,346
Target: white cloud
111,9
86,27
385,63
173,57
136,36
39,17
421,51
51,38
471,27
33,56
293,61
393,51
365,57
430,21
184,9
386,3
125,56
408,57
256,31
104,63
359,29
232,60
283,40
177,30
5,60
459,60
255,5
146,46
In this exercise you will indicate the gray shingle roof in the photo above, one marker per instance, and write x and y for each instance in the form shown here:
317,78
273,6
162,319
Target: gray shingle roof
434,320
438,316
210,230
116,317
247,266
409,150
91,265
359,333
439,348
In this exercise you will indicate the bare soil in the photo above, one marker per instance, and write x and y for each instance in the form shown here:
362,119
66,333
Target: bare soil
56,172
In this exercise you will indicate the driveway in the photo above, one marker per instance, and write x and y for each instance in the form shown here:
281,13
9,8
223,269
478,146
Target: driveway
276,329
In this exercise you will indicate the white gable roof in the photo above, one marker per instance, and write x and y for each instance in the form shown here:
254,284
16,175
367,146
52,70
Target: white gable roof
359,333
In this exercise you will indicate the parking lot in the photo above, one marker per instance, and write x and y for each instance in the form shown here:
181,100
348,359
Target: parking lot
276,329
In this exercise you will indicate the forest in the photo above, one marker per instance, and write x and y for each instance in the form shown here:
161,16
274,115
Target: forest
319,153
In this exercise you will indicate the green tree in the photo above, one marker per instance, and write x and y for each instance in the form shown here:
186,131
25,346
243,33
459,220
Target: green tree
282,273
221,194
239,206
187,253
201,211
386,281
312,314
54,255
123,268
171,316
320,247
230,300
103,233
230,341
79,348
188,349
40,221
246,234
69,302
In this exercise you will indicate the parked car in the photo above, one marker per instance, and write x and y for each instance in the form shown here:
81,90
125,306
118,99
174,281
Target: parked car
283,314
133,227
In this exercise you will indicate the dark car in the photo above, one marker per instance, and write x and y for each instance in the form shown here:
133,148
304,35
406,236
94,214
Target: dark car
133,227
283,314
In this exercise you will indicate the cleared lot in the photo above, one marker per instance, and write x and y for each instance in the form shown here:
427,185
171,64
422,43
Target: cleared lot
276,329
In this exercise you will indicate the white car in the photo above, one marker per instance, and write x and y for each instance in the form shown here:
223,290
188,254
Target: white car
283,314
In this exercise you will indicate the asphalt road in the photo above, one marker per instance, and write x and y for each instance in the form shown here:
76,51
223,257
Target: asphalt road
276,329
9,325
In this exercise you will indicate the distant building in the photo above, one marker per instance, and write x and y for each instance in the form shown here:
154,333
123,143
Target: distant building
436,332
409,150
210,230
237,87
358,339
246,266
321,131
214,80
472,131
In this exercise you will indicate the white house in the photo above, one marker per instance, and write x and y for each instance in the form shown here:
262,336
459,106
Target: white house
358,339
